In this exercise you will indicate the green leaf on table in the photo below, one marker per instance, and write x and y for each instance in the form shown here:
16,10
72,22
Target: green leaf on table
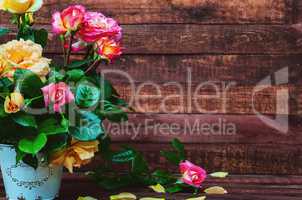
123,196
219,174
87,95
79,63
28,83
52,126
172,157
158,188
41,37
3,31
33,146
88,126
175,188
124,156
75,74
25,119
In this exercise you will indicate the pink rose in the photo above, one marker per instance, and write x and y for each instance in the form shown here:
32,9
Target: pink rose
69,19
57,93
96,26
108,48
191,174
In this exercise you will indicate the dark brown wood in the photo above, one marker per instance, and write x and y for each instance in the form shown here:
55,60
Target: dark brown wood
204,129
205,39
215,97
178,11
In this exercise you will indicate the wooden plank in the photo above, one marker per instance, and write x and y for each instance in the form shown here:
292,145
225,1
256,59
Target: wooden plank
178,11
210,97
241,69
204,129
203,39
235,158
284,189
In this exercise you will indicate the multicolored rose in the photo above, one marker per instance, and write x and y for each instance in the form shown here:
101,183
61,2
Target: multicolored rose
96,26
57,94
192,174
69,19
108,48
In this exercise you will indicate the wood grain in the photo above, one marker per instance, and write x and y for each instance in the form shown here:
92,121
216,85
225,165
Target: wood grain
178,11
203,39
204,129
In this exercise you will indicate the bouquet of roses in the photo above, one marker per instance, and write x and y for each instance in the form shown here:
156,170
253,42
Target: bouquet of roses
56,111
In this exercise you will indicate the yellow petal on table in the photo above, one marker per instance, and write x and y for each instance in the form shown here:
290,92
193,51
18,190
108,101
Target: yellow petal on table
123,196
215,190
197,198
158,188
219,174
86,198
151,198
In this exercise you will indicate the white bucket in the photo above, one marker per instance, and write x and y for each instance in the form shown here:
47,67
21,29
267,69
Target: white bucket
23,182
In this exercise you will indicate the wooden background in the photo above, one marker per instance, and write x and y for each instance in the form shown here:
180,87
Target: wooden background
240,41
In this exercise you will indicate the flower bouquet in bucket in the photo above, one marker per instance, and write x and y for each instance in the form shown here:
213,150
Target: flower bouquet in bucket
51,114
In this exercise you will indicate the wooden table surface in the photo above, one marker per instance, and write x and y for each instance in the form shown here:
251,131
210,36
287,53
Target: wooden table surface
240,187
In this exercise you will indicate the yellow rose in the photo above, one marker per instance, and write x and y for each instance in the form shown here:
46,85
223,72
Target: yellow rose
24,55
21,6
78,154
13,103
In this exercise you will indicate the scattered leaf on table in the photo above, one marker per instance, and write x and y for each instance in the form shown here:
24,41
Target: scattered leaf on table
219,174
215,190
151,198
123,196
197,198
158,188
86,198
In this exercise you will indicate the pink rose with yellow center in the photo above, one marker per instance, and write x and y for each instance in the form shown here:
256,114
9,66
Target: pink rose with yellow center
109,49
69,19
57,94
192,174
97,26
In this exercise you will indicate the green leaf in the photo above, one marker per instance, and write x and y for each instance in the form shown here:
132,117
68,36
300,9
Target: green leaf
219,174
33,146
41,37
172,157
179,147
51,126
25,119
113,113
106,89
88,127
86,198
174,189
139,164
3,31
28,83
55,76
75,74
26,33
79,63
158,188
124,156
87,95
